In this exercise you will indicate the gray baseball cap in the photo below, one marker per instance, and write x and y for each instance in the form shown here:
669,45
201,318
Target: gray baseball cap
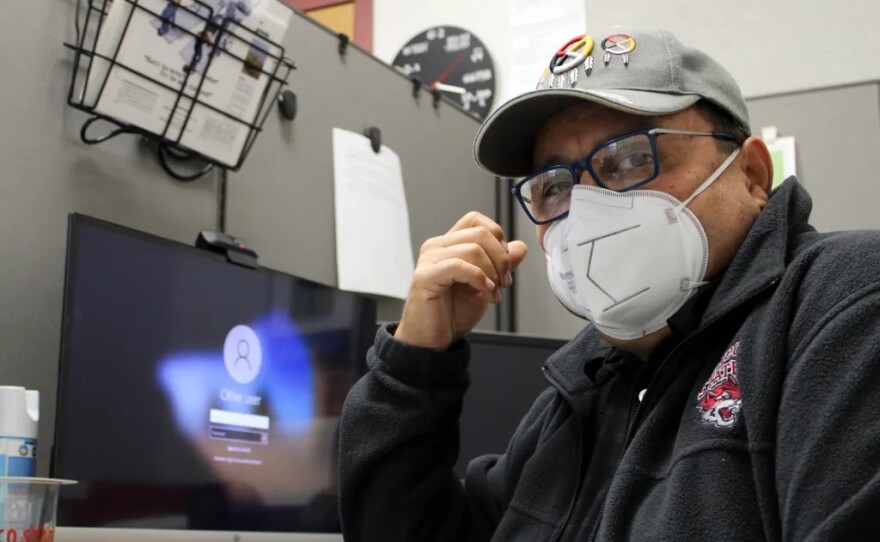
646,72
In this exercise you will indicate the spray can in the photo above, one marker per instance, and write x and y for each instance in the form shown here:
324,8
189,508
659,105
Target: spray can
19,415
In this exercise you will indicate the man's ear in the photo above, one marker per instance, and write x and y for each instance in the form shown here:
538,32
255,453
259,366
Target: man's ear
758,168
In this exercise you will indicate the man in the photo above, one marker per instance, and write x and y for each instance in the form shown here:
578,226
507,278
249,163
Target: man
725,387
166,18
224,12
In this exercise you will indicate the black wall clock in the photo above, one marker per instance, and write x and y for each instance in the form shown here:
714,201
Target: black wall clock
455,62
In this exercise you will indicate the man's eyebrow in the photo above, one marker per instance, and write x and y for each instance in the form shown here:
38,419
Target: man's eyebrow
556,159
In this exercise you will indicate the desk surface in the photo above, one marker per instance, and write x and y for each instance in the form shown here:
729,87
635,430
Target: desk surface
78,534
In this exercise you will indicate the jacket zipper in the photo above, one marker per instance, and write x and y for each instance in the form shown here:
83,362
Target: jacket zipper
577,487
626,438
635,419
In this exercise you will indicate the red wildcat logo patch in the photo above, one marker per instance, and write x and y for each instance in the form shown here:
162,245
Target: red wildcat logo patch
720,399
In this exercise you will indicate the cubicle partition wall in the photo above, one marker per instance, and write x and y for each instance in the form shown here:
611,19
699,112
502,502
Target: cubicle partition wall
281,201
837,132
47,172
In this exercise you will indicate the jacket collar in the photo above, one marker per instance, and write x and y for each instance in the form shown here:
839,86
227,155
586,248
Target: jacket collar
763,255
759,262
565,367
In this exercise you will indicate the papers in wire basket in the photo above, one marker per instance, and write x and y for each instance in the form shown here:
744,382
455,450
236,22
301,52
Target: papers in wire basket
218,52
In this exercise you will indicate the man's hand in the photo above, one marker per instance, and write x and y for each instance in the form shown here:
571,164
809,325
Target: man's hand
458,274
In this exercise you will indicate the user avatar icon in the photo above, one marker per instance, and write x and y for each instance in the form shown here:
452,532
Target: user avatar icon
242,354
244,350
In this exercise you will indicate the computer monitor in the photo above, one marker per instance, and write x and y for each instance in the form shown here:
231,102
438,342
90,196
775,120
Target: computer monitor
506,378
197,398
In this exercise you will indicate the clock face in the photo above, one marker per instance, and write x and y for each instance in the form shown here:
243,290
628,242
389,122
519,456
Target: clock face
455,62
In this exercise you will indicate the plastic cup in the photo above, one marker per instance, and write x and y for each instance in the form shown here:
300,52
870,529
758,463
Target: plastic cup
28,507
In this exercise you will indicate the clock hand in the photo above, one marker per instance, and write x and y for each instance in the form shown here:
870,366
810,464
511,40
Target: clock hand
448,70
449,88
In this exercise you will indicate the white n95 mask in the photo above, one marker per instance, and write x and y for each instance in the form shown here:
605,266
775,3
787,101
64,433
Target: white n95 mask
627,261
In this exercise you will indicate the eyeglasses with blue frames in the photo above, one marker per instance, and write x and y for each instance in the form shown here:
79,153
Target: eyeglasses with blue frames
620,164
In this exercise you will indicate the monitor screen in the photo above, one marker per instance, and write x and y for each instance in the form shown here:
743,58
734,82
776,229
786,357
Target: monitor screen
506,378
198,394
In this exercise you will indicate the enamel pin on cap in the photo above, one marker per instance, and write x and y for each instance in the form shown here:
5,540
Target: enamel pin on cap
573,54
618,44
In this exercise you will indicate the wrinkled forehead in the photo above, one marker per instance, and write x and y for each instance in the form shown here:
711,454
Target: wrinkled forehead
573,132
582,127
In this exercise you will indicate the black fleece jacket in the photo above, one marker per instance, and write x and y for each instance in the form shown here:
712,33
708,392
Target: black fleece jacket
761,423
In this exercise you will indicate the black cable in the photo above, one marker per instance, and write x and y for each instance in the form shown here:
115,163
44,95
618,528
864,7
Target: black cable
120,129
76,22
179,176
179,153
221,200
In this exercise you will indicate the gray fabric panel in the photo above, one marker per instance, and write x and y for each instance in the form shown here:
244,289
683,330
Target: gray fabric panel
45,173
282,199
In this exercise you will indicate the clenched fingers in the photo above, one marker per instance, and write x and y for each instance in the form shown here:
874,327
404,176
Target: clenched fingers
438,277
478,242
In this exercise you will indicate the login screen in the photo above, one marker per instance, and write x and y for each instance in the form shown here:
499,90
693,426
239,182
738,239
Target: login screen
199,394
